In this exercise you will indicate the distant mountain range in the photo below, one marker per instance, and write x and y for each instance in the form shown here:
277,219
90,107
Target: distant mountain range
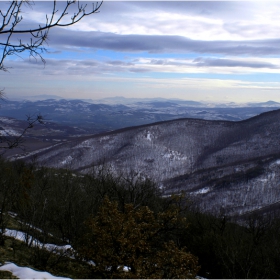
227,167
117,100
95,118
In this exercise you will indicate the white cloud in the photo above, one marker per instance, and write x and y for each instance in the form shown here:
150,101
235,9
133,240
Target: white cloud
142,40
213,20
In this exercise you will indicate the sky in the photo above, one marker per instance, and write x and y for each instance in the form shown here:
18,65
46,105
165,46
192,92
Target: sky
211,51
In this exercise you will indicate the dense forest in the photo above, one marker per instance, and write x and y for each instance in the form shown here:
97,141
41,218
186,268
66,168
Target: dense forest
124,227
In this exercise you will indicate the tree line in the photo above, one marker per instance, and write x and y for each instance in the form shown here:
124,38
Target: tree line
121,224
127,228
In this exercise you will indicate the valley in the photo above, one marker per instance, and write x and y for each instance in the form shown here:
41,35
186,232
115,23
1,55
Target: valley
225,166
229,172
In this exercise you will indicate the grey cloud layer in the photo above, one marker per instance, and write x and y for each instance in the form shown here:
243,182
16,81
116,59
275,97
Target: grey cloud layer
91,66
160,44
75,67
213,62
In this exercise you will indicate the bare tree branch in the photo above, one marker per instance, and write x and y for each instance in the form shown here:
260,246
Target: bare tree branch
34,45
10,141
9,26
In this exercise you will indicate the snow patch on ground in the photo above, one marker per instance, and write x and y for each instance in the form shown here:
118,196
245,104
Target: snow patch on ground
27,273
67,160
174,155
9,132
105,138
21,236
277,162
85,144
6,120
201,191
149,136
12,214
68,110
263,180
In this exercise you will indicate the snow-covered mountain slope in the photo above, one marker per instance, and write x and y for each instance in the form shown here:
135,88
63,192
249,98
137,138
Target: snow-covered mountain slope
206,158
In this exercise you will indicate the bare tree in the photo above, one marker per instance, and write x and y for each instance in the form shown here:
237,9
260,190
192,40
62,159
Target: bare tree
8,141
13,43
15,40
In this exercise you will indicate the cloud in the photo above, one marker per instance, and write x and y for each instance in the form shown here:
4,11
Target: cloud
246,29
95,40
169,26
207,20
210,20
139,70
74,67
119,62
199,65
214,62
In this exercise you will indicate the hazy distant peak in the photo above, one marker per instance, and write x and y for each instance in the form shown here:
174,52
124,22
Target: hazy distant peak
36,97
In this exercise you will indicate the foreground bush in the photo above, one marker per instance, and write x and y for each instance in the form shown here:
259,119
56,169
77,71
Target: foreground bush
135,239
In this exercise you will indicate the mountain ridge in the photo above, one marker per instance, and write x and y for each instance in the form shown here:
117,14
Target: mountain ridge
205,158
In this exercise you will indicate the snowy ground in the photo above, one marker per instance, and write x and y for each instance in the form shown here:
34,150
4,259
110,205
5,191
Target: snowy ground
27,273
21,236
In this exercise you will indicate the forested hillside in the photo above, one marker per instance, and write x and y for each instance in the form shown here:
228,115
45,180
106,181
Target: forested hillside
101,226
228,166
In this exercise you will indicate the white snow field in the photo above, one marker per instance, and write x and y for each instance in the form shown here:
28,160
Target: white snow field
27,273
